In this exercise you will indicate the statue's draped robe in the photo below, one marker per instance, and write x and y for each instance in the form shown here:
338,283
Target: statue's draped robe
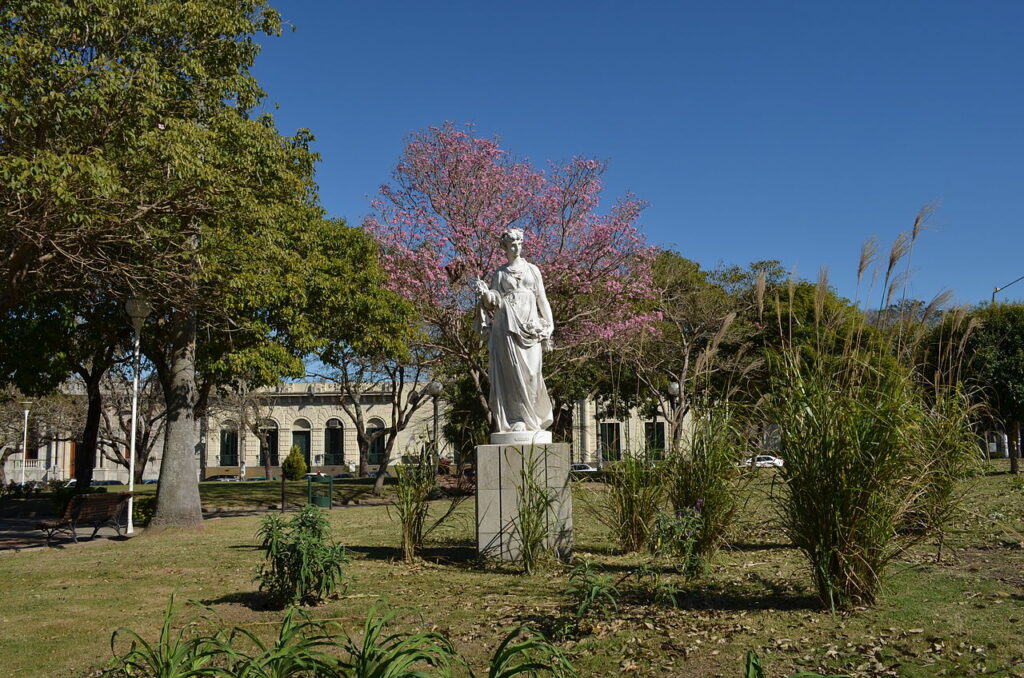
516,312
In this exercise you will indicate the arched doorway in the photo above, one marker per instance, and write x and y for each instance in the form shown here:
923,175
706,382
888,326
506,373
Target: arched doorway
302,438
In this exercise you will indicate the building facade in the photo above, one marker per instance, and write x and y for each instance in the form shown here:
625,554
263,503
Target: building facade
309,415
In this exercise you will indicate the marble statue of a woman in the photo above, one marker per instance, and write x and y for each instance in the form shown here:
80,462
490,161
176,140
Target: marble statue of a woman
514,318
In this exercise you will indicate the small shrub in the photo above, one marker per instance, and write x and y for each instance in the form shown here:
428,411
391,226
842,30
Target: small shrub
143,509
635,488
173,654
591,591
534,502
525,652
379,654
703,474
661,591
294,465
676,536
302,565
306,647
415,488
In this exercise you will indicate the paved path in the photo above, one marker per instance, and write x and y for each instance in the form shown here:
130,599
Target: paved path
20,533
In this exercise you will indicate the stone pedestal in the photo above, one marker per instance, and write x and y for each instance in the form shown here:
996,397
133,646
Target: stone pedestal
500,478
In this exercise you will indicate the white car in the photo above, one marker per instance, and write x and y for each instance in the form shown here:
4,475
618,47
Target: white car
763,461
582,468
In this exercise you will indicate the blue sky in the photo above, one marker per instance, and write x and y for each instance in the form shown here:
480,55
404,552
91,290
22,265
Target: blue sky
755,130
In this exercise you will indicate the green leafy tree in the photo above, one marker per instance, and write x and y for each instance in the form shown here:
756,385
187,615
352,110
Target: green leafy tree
995,352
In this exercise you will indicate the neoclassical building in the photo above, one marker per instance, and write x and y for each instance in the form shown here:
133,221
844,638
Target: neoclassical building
309,415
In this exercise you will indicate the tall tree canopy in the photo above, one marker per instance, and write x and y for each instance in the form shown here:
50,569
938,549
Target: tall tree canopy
439,221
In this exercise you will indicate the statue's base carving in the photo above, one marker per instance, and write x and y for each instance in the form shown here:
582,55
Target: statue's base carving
500,475
521,438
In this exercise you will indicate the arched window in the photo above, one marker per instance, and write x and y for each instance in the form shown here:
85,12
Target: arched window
334,443
229,444
268,443
376,456
302,438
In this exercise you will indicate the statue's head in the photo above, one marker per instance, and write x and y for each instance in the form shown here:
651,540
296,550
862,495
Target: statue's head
512,235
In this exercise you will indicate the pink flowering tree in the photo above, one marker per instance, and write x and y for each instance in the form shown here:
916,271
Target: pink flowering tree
439,221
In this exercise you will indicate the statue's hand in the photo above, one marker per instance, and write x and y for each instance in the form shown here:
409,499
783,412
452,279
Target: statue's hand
547,346
481,287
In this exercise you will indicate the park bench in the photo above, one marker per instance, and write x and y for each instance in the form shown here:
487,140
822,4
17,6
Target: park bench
85,510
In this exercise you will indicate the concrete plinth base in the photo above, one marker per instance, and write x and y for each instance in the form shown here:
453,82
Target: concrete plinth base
526,438
499,485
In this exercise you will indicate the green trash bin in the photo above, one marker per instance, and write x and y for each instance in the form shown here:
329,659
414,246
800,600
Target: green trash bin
320,491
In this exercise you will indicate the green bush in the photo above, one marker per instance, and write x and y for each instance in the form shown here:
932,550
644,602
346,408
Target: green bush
703,477
303,566
591,591
635,488
294,466
143,508
677,537
850,431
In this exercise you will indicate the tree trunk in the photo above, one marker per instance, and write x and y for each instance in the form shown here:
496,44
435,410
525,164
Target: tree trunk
378,485
85,455
177,500
1014,433
364,454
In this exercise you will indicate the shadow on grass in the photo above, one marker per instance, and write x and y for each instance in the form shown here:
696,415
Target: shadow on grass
254,600
751,546
440,555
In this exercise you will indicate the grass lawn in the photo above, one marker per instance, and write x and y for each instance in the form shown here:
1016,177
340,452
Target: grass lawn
956,616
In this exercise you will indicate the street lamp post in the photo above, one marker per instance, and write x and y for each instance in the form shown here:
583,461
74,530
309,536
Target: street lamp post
137,310
1000,289
433,389
26,405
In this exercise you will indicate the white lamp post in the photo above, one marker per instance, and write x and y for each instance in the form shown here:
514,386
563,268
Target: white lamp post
137,310
26,405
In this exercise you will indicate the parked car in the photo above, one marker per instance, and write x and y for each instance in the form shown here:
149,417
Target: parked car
222,479
101,483
374,474
314,475
150,481
763,461
251,480
582,468
342,475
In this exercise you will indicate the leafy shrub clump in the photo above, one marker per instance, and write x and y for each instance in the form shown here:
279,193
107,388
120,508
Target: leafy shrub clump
294,465
591,591
307,647
635,488
303,566
143,509
704,480
676,536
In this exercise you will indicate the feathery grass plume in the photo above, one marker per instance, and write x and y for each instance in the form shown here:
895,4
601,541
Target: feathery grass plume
819,295
759,288
791,289
868,252
937,302
921,219
708,354
897,283
899,249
